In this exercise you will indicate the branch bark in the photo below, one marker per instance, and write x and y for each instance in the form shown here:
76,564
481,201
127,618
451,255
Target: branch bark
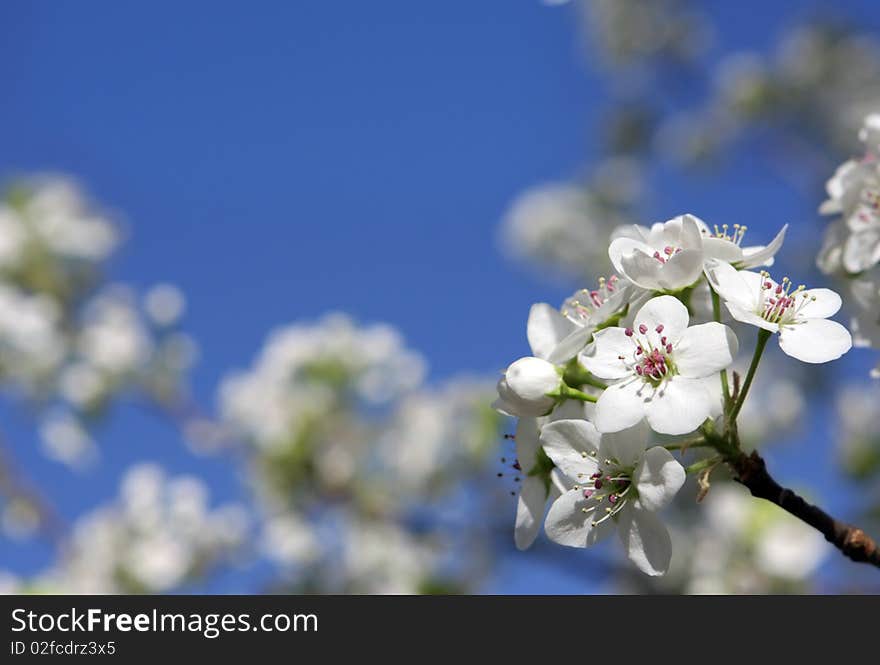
13,486
751,471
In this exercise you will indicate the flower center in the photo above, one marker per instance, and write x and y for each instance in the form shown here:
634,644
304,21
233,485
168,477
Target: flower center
581,306
868,210
668,252
609,489
651,359
734,234
777,303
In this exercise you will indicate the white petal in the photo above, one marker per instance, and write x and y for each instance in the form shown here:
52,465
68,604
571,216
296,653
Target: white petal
831,253
568,524
747,316
684,232
721,249
830,207
862,250
546,328
503,407
658,477
679,406
713,386
633,231
602,357
572,409
625,246
621,405
762,256
815,340
729,283
527,441
569,443
705,349
646,540
667,311
827,303
526,384
569,347
628,445
681,270
529,511
641,269
690,237
559,484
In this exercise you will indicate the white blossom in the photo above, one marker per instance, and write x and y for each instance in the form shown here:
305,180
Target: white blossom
799,316
558,225
666,257
165,304
659,366
616,484
852,243
159,534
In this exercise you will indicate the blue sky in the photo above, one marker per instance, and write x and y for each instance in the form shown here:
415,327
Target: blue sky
286,159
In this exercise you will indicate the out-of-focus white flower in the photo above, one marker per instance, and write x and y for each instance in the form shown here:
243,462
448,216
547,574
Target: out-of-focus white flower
437,434
65,440
165,304
858,434
777,404
113,337
384,559
9,584
816,88
31,344
559,225
854,193
633,32
745,546
302,370
158,536
66,222
866,316
852,243
81,384
290,541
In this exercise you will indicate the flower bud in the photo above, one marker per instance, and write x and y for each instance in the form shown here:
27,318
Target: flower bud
525,387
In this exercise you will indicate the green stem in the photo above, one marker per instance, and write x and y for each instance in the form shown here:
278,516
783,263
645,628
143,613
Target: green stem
716,312
568,392
692,443
576,375
763,336
703,464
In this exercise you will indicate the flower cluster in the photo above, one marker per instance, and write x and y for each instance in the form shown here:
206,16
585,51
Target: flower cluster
621,369
851,249
160,534
69,346
345,444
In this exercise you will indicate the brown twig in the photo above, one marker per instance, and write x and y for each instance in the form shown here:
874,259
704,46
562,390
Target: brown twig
13,486
854,543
